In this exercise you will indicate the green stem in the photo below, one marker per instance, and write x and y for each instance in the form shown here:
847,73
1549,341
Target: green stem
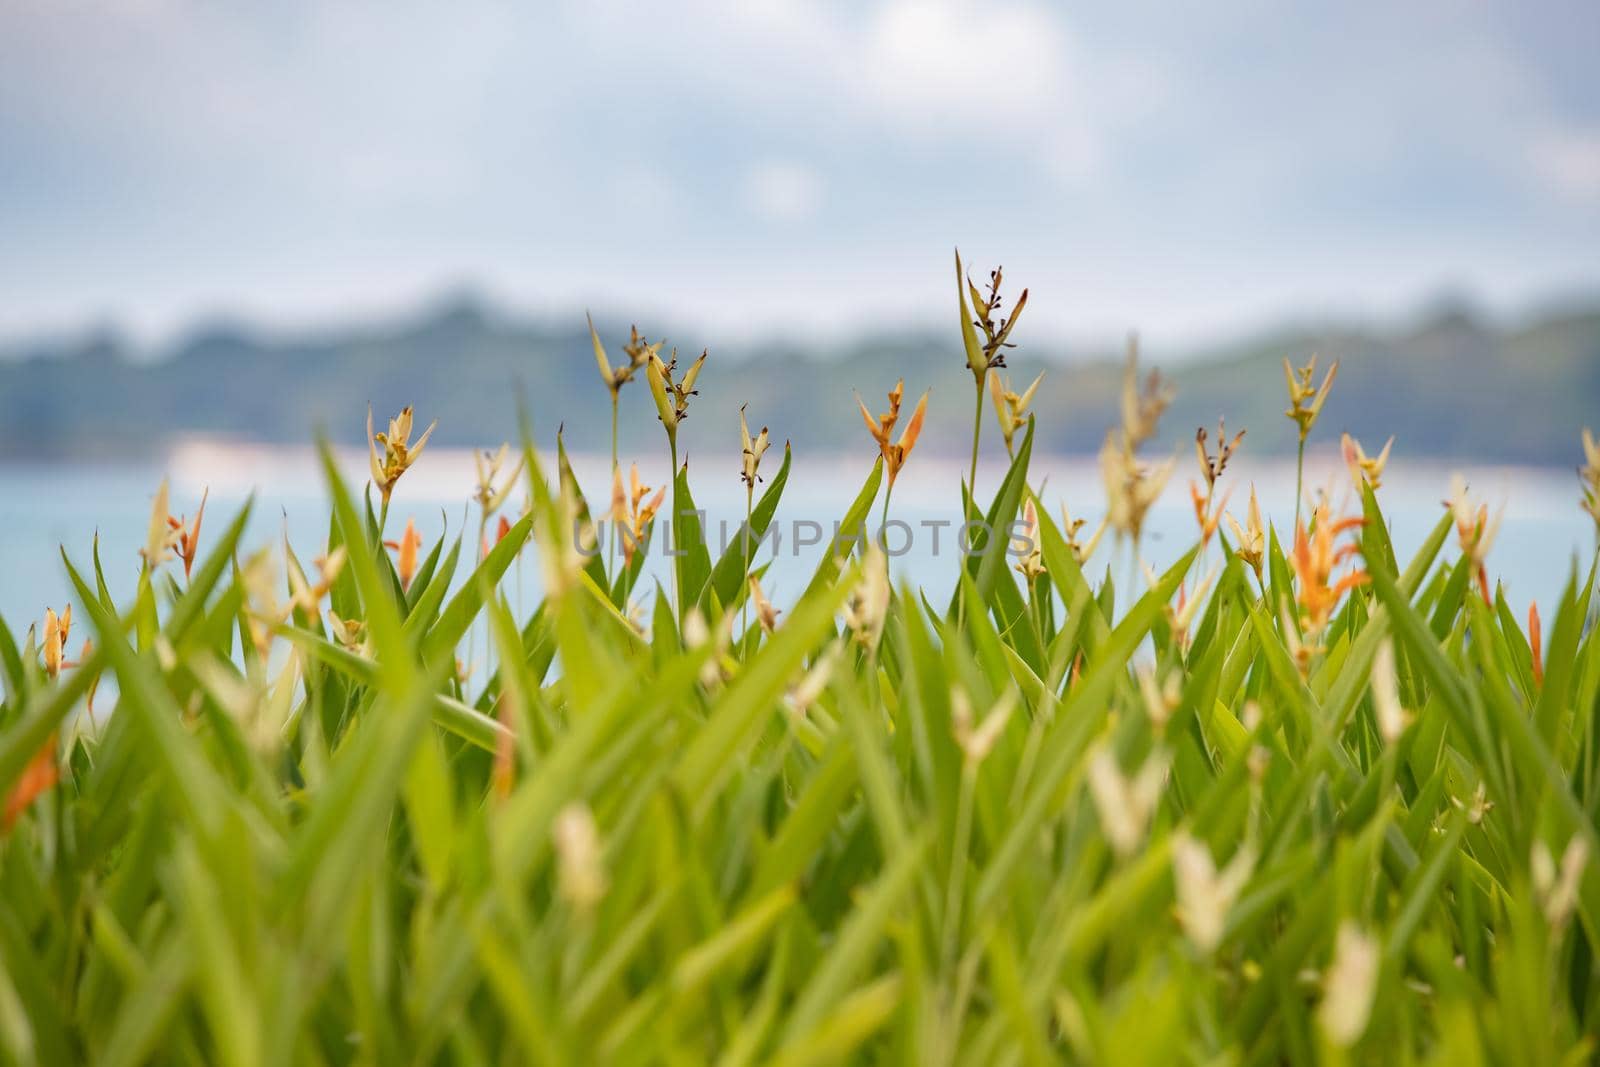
672,525
1299,476
749,555
977,424
611,551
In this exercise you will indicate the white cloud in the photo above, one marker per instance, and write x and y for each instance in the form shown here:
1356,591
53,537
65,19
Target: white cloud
783,191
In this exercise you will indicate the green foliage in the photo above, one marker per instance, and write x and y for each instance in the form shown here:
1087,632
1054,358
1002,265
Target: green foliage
1024,829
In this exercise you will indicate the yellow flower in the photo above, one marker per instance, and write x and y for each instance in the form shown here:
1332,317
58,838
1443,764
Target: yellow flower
766,614
399,453
1011,408
488,465
56,630
1475,530
1250,543
672,398
753,450
637,351
1070,528
1364,468
1305,402
1031,565
162,538
882,427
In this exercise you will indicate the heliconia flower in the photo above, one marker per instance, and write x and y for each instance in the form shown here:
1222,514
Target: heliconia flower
1250,543
1125,804
1305,401
1132,487
766,614
882,427
637,351
1142,404
162,539
1009,407
488,466
37,778
1475,530
1189,606
631,514
56,630
1349,985
1160,701
406,551
1314,558
1364,469
672,398
1391,715
1205,895
697,634
1211,468
1070,528
349,633
308,596
976,740
814,682
1557,889
1535,643
580,868
1031,565
1205,516
1589,475
186,537
983,355
868,606
399,453
752,451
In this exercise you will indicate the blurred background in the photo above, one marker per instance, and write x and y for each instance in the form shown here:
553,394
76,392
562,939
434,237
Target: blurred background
225,226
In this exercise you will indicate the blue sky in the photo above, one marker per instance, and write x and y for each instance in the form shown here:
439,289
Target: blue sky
788,166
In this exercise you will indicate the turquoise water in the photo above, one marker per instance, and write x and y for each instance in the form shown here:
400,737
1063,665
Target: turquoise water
44,508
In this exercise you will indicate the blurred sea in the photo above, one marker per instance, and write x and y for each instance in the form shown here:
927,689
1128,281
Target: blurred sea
44,508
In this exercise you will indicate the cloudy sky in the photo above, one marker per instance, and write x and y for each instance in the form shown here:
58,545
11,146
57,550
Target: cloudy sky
789,165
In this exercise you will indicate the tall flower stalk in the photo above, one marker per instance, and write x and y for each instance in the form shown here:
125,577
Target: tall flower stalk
638,352
672,407
987,352
1305,404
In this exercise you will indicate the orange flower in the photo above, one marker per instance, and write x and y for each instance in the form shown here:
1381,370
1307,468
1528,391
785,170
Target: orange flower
186,537
630,512
882,427
406,550
1314,558
38,778
1207,518
1535,643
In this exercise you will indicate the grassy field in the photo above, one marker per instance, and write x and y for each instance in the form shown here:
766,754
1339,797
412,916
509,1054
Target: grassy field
1292,801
